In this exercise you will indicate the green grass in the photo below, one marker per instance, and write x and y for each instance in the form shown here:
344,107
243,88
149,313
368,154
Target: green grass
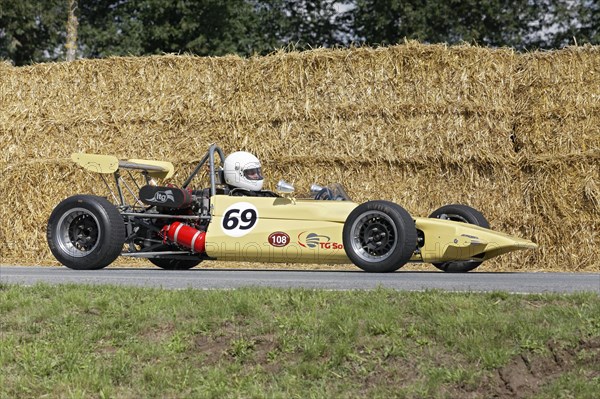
109,342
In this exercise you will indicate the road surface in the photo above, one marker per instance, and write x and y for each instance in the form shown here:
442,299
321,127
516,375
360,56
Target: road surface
330,280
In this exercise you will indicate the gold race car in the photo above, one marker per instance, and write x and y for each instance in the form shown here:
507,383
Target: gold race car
178,227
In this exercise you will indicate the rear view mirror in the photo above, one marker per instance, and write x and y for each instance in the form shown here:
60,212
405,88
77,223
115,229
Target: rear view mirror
284,187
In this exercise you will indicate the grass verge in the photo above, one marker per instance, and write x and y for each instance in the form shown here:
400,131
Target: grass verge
101,341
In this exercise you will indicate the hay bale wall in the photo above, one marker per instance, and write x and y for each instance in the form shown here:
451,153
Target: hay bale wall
514,135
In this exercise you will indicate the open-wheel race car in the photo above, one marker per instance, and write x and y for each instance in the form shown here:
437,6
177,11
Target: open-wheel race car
179,227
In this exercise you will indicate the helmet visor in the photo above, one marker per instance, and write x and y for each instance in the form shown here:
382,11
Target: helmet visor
253,174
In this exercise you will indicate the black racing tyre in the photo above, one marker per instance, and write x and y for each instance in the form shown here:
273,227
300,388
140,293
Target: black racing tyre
85,232
464,214
379,236
175,264
165,263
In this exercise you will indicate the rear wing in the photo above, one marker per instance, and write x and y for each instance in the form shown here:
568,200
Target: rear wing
110,164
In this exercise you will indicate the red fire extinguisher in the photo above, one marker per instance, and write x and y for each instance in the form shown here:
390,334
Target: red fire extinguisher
185,236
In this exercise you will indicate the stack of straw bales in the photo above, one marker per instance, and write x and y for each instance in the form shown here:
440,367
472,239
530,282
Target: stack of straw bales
559,132
514,135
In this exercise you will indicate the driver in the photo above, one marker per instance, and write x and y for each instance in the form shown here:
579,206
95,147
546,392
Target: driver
243,175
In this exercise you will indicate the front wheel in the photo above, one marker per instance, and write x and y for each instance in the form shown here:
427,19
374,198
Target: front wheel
85,232
379,236
463,214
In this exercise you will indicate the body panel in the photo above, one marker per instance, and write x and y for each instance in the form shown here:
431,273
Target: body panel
161,170
96,163
314,233
446,240
311,230
110,164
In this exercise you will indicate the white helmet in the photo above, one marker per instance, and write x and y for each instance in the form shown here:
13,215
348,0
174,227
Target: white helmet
242,170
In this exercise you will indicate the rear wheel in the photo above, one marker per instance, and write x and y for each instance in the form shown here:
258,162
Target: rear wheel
463,214
379,236
175,264
152,242
85,232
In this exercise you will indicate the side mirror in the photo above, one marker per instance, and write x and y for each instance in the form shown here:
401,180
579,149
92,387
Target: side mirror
284,187
315,188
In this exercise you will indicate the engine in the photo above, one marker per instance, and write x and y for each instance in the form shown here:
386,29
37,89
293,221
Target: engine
166,197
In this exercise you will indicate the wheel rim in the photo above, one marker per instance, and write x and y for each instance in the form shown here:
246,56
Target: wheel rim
78,232
374,236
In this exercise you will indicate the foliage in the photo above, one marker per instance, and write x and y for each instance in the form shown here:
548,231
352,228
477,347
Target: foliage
32,31
571,22
35,30
303,24
139,27
523,24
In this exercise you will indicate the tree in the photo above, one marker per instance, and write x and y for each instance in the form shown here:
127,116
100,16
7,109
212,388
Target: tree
205,27
523,25
303,24
32,31
568,22
72,23
590,22
138,27
486,22
36,30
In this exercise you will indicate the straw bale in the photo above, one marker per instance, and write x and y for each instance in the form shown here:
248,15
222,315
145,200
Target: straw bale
514,135
563,189
561,112
394,93
561,196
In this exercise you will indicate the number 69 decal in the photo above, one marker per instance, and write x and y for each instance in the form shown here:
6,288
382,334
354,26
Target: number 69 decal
239,219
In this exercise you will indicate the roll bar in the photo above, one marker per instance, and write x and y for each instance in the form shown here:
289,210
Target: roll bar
210,157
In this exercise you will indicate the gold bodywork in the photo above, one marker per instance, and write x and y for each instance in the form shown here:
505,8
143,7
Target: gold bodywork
309,231
110,164
444,240
295,217
447,240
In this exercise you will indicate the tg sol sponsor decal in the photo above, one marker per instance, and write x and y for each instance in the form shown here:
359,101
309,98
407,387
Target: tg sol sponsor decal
279,239
314,240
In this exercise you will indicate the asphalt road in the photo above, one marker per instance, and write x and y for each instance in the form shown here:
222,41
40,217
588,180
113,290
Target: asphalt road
334,280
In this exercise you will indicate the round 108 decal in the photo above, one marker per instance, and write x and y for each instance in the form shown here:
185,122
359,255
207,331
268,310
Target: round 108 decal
239,219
